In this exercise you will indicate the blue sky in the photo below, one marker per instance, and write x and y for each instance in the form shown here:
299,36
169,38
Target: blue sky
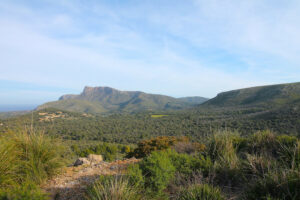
178,48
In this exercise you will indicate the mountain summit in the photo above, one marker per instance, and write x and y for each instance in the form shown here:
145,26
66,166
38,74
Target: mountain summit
109,100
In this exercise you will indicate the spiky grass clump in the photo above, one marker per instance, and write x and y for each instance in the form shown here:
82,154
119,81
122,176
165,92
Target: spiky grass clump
40,155
200,191
289,155
221,148
279,184
263,143
8,163
257,166
223,151
113,187
27,158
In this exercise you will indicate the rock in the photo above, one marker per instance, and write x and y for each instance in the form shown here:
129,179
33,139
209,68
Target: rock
114,167
82,161
93,158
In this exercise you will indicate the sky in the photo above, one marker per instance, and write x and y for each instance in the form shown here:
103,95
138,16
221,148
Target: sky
174,47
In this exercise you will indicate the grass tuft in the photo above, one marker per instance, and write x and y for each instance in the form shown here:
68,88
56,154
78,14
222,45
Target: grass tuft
113,187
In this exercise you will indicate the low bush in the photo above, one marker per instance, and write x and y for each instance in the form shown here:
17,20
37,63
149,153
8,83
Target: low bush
156,144
154,173
188,164
200,191
158,171
135,175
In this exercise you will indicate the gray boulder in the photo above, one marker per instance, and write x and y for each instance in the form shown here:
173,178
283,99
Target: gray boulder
82,161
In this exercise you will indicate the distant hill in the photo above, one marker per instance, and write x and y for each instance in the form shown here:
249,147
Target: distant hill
108,100
267,96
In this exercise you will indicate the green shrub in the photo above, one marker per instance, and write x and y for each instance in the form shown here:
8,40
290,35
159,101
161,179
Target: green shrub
157,170
26,191
183,163
200,192
113,187
135,175
188,164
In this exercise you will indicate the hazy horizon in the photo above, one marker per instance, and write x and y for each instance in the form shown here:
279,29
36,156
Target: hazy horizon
175,48
16,107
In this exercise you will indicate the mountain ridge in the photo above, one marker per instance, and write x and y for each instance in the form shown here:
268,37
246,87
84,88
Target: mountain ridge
109,100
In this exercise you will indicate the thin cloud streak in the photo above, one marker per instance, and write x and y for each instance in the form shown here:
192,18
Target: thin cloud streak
196,48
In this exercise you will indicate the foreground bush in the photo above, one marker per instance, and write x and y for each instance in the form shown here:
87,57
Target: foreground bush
200,192
281,184
222,149
26,191
113,187
27,159
188,164
40,155
8,163
154,173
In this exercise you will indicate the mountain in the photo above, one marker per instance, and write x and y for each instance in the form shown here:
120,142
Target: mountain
266,96
109,100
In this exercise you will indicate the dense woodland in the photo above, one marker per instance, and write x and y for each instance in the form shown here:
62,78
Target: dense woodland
129,128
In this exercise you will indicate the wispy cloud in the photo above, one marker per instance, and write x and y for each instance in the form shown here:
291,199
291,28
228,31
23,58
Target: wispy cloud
177,48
